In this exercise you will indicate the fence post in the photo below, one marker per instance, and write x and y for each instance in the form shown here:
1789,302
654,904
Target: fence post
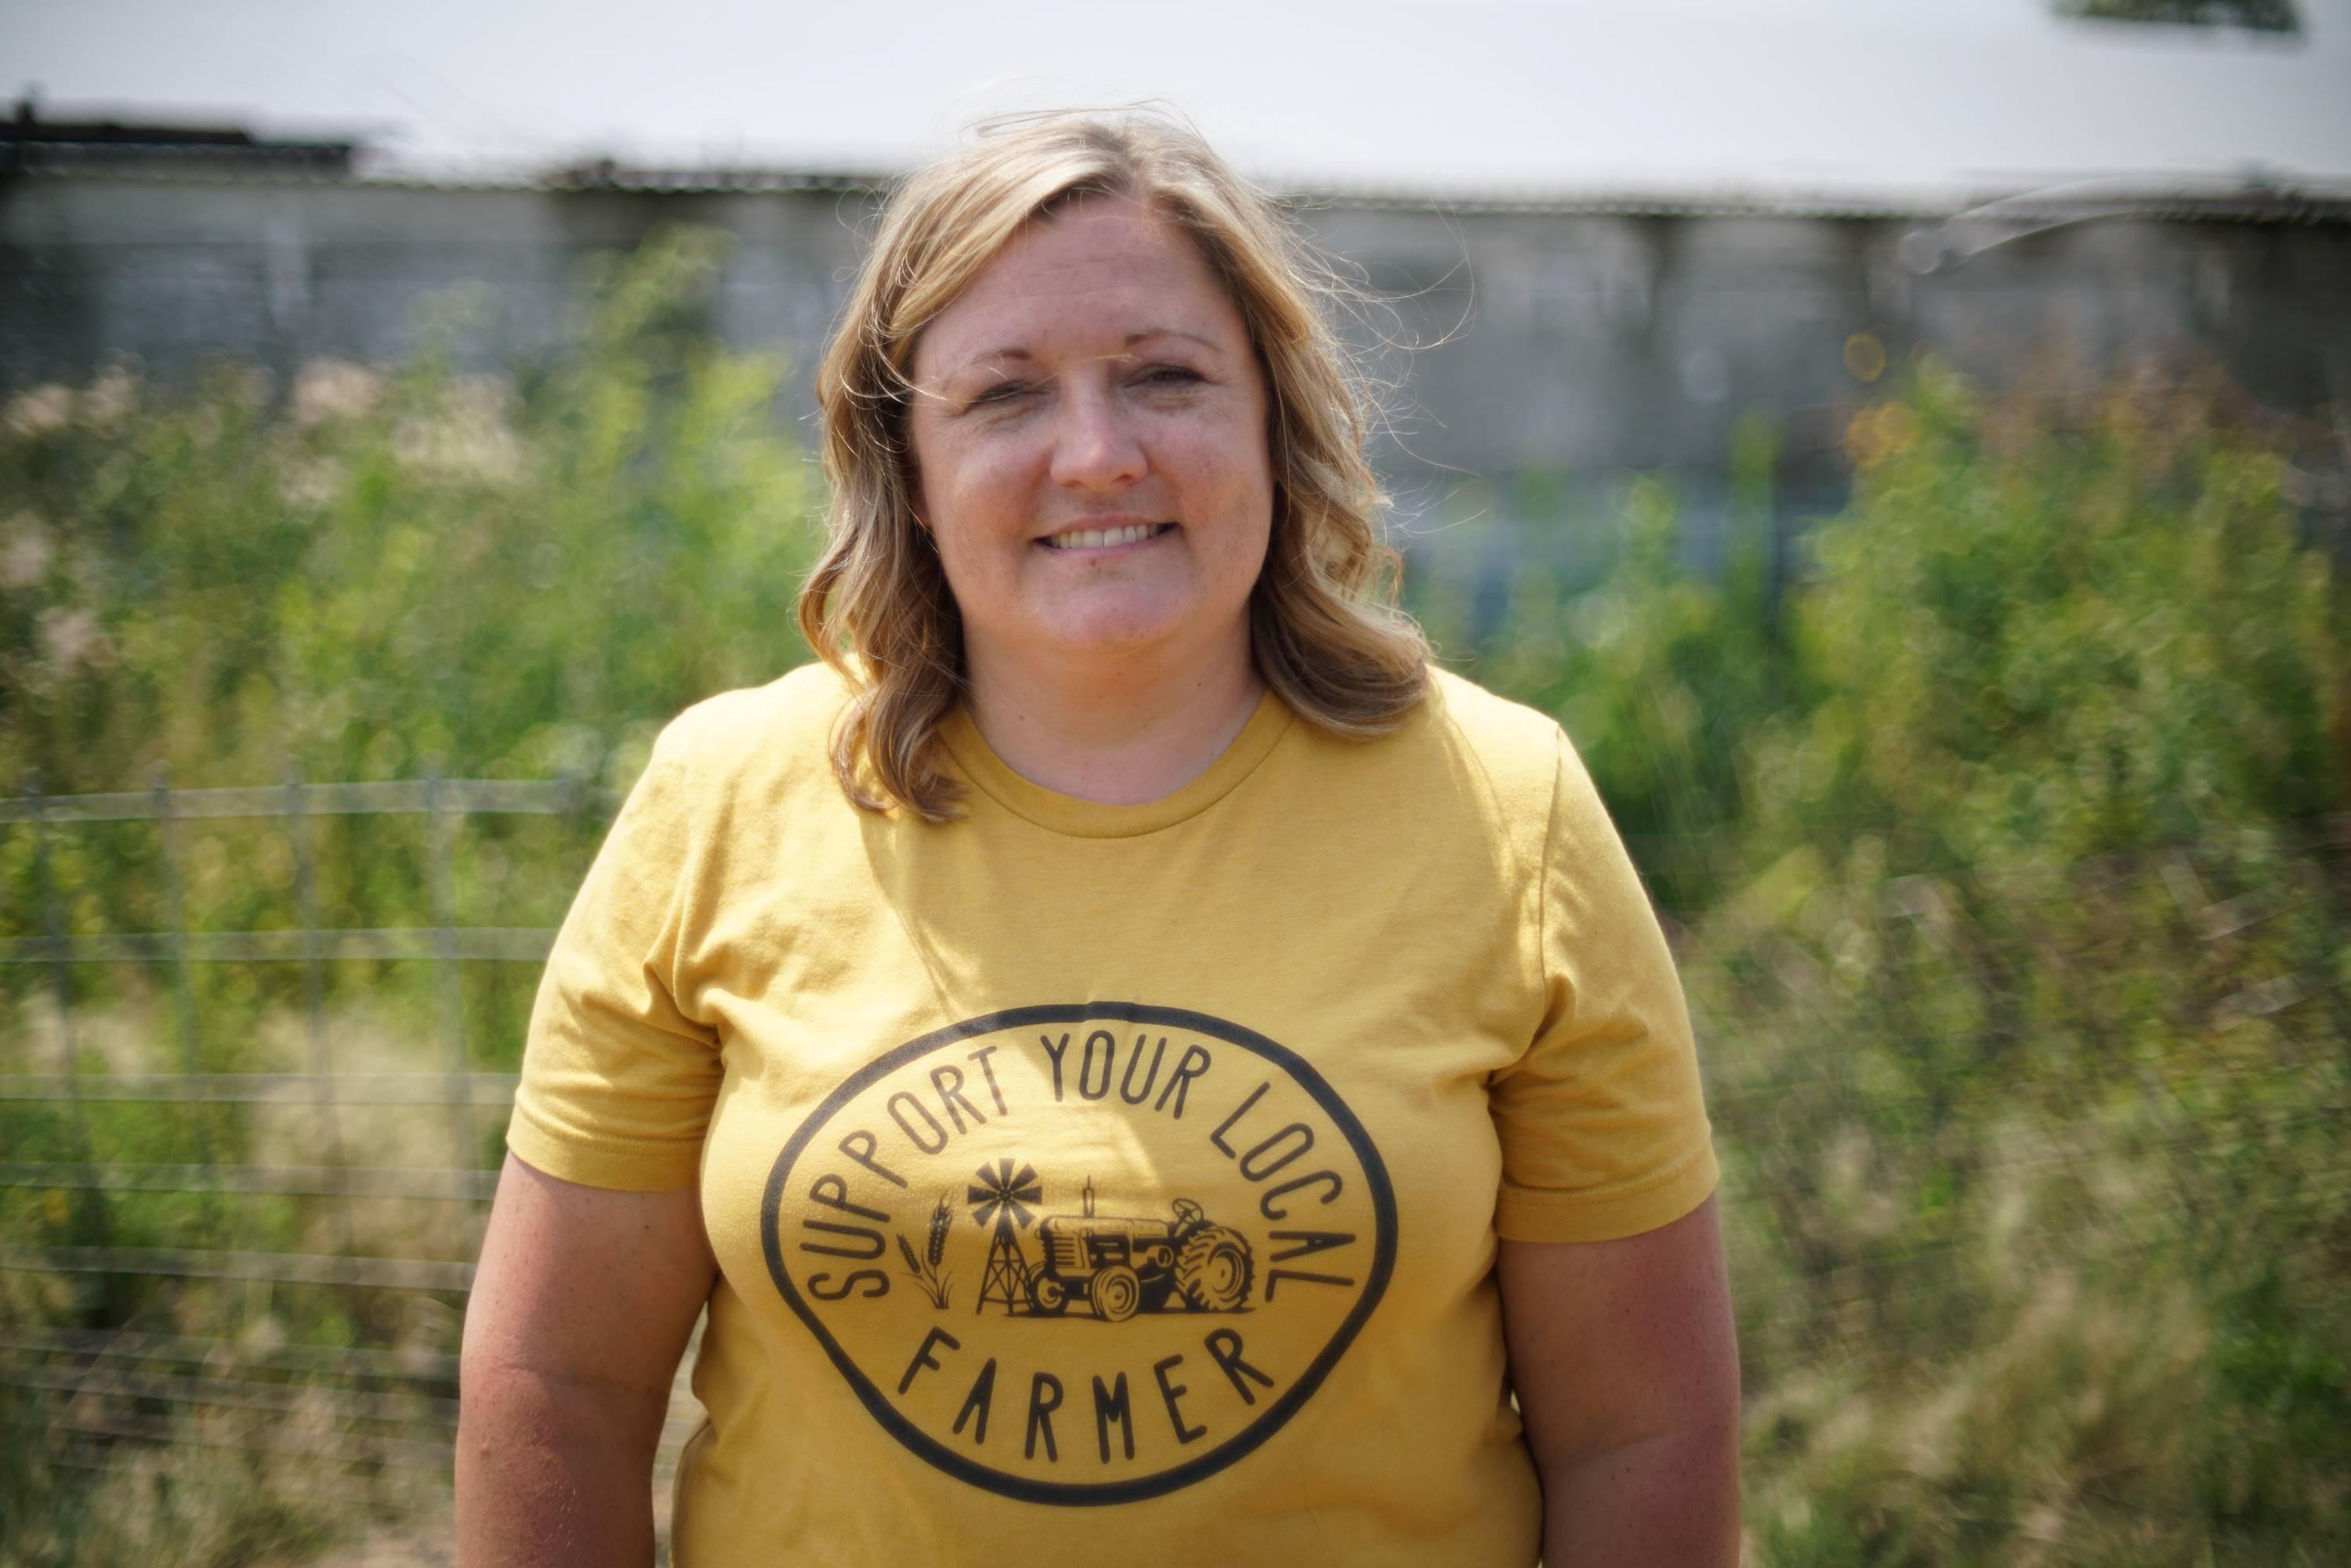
184,992
314,987
91,1203
447,981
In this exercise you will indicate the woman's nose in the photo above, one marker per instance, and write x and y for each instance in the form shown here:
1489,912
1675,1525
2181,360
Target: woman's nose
1094,446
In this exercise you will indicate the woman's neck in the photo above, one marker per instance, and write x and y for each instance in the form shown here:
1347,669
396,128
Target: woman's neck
1119,734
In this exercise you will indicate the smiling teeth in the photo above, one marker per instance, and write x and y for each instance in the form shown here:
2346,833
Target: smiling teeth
1095,539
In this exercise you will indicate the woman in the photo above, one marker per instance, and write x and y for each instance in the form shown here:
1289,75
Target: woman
1137,1067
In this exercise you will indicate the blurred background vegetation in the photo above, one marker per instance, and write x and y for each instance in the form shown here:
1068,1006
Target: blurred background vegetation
1998,821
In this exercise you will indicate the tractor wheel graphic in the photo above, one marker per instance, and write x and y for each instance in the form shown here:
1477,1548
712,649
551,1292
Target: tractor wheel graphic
1046,1294
1116,1293
1214,1269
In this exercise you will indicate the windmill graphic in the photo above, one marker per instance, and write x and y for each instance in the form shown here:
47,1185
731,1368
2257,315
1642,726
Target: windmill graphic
1002,1196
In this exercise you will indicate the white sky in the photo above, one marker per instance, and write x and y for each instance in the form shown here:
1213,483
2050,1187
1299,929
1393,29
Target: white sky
1455,92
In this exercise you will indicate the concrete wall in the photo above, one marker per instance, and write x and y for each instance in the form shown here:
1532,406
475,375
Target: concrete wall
1562,347
172,272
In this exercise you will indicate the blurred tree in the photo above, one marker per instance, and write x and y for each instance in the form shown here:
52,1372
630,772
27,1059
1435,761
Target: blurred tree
2255,16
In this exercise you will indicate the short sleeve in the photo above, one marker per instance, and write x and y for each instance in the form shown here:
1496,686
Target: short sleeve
1602,1123
618,1082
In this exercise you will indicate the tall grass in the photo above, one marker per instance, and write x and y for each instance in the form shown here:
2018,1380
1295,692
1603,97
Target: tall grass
365,574
2006,853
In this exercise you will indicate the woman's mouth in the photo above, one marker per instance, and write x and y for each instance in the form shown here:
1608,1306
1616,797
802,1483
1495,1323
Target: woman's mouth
1103,538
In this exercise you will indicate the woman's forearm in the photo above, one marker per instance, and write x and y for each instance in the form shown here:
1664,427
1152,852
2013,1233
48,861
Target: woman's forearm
554,1470
1666,1501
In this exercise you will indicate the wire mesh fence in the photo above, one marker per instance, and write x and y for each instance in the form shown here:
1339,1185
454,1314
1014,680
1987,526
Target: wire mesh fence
270,1255
78,1336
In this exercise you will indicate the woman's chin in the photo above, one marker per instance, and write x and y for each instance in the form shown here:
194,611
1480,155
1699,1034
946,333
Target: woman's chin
1114,629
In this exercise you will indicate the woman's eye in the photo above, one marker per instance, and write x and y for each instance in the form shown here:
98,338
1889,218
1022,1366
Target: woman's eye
1002,391
1170,375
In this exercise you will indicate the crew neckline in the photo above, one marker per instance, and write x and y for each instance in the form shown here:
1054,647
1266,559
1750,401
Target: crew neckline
1059,813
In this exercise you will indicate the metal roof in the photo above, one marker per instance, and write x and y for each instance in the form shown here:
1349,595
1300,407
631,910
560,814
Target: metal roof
2262,196
2246,198
28,141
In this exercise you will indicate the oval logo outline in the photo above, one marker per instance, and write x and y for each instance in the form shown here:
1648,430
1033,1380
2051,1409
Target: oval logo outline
1135,1489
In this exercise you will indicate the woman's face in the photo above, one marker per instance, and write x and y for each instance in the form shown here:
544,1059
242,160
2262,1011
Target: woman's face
1090,446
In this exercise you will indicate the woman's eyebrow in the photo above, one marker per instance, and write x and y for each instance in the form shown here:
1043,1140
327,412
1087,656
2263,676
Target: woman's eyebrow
983,360
1149,332
1015,351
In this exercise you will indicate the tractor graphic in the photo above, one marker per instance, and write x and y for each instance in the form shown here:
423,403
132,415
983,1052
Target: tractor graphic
1116,1264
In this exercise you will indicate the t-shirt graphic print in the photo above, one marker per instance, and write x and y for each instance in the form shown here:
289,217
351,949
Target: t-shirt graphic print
1082,1254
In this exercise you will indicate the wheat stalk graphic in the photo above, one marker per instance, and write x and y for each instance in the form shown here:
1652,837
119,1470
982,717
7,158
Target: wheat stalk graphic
924,1269
941,1218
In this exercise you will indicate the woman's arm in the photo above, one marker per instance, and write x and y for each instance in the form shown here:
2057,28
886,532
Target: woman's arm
581,1305
1627,1367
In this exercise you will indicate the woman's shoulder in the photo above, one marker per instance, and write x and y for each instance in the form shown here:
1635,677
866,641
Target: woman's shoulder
1496,725
780,733
1516,748
1466,759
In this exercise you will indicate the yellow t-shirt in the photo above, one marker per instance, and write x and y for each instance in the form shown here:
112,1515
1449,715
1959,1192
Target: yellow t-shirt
1117,1183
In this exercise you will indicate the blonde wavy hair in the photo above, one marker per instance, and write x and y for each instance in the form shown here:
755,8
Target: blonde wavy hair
1324,629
